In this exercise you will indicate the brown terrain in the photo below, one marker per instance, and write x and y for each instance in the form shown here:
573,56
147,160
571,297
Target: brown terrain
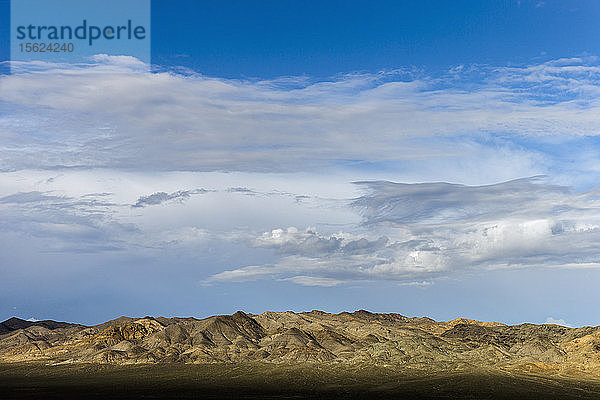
346,347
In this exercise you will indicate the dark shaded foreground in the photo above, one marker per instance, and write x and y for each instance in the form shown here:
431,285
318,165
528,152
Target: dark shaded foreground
269,381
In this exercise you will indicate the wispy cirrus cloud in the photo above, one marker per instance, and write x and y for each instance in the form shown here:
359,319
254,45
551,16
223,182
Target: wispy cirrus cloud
64,223
445,203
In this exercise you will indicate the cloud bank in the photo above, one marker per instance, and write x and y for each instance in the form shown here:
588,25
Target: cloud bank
437,230
105,114
288,139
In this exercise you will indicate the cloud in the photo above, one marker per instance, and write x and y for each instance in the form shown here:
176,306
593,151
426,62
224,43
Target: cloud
445,203
311,243
107,114
421,284
335,259
419,232
368,231
292,241
162,197
63,223
340,268
313,281
27,197
92,211
521,223
179,129
242,190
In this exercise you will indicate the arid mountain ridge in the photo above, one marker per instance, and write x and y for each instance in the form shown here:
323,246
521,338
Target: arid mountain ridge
308,337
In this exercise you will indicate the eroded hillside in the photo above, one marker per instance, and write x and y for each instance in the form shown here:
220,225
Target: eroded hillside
312,337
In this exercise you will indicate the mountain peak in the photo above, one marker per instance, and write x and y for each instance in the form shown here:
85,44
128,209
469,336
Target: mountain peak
15,323
13,319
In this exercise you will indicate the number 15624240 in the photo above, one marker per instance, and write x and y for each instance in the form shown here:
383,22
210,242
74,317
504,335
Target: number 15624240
55,47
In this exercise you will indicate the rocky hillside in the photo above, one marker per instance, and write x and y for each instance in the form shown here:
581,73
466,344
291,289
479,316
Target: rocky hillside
313,337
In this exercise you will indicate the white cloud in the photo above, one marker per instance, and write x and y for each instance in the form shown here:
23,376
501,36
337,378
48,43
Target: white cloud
314,281
413,232
105,115
474,125
109,210
409,232
311,243
440,203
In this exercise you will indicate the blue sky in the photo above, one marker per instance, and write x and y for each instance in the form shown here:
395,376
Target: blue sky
236,39
431,158
240,39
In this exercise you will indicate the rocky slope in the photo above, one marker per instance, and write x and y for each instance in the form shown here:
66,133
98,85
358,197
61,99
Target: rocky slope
310,337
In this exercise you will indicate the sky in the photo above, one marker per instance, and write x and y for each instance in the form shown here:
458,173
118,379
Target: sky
428,158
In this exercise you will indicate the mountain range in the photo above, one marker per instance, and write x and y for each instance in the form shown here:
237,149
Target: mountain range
359,337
